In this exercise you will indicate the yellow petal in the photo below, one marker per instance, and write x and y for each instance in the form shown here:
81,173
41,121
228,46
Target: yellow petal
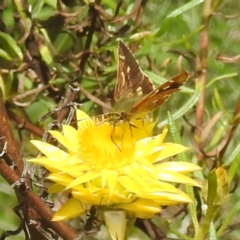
83,119
170,176
87,196
142,205
162,136
69,138
45,162
84,178
180,167
55,188
111,177
50,151
161,197
72,208
129,184
62,179
116,223
169,150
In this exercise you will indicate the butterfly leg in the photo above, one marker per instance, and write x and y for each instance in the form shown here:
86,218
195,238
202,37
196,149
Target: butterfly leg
131,125
114,124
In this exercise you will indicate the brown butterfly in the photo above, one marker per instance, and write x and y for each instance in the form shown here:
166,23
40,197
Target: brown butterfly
135,94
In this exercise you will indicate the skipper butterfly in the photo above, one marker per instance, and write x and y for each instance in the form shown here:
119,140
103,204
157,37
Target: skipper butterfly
134,93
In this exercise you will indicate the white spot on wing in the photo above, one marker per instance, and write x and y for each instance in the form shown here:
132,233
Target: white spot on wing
121,57
123,78
166,88
139,91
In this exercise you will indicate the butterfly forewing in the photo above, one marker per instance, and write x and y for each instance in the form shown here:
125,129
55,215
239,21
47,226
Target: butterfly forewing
131,81
159,95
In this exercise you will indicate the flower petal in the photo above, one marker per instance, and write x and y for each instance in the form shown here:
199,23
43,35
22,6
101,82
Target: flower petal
116,223
170,176
72,208
83,119
84,178
50,151
180,167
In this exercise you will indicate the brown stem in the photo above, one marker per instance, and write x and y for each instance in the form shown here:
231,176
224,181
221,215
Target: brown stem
6,133
27,196
94,15
204,39
25,124
150,229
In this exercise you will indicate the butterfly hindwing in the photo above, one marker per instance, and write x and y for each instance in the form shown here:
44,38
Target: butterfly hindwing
159,95
131,81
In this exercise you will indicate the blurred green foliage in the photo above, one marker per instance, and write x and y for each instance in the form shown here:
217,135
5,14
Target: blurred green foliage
45,46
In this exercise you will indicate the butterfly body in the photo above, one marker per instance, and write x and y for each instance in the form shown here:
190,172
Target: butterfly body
126,104
112,118
134,94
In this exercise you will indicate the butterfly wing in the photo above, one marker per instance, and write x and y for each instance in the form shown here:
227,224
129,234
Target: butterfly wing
160,95
131,81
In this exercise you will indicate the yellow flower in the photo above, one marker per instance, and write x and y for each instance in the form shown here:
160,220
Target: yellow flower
117,168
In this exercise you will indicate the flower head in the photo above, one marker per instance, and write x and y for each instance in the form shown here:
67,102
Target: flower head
115,167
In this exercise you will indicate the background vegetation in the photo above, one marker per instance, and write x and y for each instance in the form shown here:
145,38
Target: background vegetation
49,49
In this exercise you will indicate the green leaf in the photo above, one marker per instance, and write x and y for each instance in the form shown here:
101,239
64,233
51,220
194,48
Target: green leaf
185,108
9,46
222,77
5,55
212,188
234,159
218,101
7,16
52,3
233,211
110,3
212,232
175,14
182,157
